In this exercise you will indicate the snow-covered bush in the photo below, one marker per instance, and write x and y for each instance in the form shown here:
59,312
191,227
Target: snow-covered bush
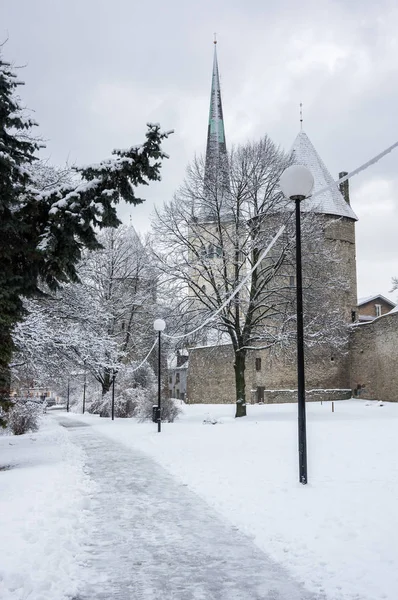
133,390
24,416
169,410
125,404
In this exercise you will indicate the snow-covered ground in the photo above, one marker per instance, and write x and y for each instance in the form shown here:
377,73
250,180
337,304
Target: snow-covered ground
338,534
44,516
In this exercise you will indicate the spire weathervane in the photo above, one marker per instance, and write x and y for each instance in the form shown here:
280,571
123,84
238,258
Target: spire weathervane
215,38
301,116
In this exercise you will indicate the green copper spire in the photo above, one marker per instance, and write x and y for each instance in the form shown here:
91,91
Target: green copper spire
216,166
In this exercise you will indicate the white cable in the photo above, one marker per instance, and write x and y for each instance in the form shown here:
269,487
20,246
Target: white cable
237,289
370,162
146,358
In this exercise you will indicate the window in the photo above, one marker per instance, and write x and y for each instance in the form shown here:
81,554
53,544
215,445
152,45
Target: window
177,378
292,282
171,379
378,310
258,364
211,251
214,251
353,316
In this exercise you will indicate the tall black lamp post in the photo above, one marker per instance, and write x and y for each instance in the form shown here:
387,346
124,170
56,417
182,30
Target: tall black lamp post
84,388
296,183
159,326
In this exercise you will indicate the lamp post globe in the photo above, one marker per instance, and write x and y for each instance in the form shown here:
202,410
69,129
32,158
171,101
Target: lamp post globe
296,183
159,325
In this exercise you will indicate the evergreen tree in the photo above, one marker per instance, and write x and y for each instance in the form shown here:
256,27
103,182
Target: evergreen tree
42,234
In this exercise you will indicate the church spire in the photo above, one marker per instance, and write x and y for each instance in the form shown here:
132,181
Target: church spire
216,166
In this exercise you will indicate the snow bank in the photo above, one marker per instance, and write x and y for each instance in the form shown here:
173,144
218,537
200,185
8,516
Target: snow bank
44,497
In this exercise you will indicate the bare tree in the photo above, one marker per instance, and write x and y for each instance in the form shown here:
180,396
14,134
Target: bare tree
96,325
122,279
210,238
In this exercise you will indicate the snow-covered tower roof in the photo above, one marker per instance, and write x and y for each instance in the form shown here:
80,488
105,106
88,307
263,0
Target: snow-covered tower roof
330,202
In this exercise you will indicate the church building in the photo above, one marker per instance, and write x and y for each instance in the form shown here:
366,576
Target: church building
272,376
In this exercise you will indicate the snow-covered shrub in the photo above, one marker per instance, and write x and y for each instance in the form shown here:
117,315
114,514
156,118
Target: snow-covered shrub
24,416
125,404
133,389
169,410
96,405
209,420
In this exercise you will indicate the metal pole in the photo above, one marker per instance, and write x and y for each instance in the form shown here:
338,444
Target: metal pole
113,396
302,434
159,380
67,396
84,389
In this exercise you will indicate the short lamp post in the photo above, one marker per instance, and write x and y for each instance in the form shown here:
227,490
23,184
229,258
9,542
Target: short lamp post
113,394
296,184
68,394
159,326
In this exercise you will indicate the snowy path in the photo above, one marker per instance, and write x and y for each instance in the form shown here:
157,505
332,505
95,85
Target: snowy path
153,539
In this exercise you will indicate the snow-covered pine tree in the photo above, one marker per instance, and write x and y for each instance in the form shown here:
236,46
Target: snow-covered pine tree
42,234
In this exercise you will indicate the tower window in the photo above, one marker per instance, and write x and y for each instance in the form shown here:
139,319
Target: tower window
258,364
292,282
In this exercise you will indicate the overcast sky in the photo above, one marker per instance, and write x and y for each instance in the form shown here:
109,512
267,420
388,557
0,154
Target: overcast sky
96,71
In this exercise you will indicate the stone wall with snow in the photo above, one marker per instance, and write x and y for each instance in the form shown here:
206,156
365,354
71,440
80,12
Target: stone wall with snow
374,358
270,377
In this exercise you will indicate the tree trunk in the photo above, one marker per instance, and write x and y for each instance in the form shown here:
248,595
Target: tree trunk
6,348
239,366
107,381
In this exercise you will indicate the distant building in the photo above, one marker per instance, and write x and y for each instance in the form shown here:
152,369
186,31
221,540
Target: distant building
372,307
177,373
36,394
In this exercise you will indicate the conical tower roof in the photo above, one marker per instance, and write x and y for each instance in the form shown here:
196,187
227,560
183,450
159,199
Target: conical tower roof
329,202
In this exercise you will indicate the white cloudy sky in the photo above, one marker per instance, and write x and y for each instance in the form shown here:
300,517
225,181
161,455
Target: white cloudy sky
97,71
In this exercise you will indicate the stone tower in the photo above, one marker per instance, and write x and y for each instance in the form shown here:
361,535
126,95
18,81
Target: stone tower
336,218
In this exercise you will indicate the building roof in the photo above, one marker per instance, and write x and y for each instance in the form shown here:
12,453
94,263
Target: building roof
362,301
329,202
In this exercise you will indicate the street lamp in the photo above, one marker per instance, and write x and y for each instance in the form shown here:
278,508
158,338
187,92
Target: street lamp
159,326
113,394
68,395
296,183
84,388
